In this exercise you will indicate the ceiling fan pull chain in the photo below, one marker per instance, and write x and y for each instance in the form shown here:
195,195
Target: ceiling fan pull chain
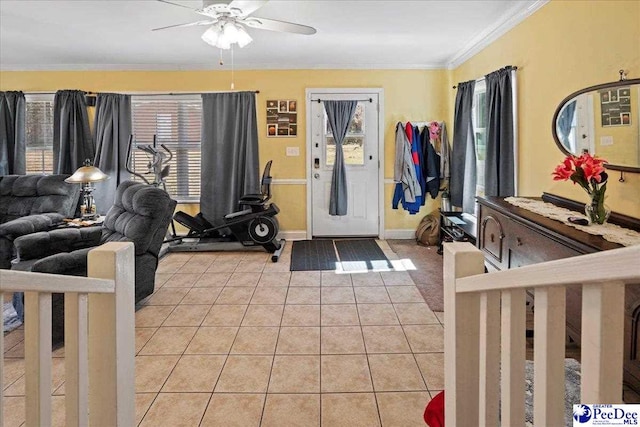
221,61
232,70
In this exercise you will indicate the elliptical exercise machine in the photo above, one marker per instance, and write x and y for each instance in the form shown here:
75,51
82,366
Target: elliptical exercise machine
255,225
158,165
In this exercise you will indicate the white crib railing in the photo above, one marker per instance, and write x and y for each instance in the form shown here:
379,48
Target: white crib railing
485,334
99,339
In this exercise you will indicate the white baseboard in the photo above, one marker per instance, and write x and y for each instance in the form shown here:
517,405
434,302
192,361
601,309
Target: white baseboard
293,235
400,233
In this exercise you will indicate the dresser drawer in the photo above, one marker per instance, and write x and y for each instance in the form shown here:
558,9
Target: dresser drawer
526,246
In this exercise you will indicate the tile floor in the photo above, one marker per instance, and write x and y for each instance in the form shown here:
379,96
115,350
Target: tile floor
231,339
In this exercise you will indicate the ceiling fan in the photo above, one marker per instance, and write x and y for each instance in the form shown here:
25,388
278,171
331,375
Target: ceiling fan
226,22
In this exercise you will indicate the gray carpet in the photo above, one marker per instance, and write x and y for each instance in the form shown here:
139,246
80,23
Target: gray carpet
571,390
428,276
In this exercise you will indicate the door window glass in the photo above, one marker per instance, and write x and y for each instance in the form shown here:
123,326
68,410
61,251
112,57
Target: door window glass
353,144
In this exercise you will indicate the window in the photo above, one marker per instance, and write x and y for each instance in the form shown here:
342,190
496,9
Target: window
175,120
479,114
39,133
353,144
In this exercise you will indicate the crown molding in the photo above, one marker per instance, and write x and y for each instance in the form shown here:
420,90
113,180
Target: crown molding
215,67
509,20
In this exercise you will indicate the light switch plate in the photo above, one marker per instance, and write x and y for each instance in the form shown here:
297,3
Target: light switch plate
606,140
293,151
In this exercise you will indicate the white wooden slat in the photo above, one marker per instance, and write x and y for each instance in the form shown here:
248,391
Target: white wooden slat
76,360
489,358
613,265
112,337
23,281
602,342
513,353
548,356
461,335
37,358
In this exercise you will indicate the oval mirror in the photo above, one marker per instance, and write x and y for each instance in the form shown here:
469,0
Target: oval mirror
602,120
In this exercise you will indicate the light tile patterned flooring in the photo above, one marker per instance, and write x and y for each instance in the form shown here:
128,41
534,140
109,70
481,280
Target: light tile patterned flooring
232,339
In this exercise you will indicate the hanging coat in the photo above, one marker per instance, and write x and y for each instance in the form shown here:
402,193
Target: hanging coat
445,153
404,174
431,162
414,207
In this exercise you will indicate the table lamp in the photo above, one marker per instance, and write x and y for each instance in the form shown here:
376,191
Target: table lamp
87,175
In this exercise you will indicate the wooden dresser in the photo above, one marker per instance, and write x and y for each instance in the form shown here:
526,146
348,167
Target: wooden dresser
512,237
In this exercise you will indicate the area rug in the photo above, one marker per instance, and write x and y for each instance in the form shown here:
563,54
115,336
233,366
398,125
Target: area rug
361,255
313,255
428,273
571,390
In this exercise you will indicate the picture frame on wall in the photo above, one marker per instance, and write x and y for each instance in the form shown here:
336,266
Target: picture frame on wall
615,107
282,118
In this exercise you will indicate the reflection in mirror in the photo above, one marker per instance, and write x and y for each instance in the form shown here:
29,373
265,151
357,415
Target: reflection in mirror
603,122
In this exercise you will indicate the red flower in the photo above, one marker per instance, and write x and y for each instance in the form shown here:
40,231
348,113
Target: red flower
592,167
586,170
564,170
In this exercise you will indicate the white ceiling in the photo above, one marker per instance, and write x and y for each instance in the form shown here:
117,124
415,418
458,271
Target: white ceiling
116,34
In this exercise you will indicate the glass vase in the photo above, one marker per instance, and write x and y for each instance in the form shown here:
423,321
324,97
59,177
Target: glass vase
597,212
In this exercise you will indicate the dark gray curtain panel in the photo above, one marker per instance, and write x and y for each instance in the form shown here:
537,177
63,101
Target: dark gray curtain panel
499,162
462,185
229,164
72,142
12,133
111,130
339,114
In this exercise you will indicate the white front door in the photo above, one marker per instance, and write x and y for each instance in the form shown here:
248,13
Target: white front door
361,157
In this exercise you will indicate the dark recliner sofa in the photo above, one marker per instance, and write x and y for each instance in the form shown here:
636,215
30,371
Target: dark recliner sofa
141,214
31,203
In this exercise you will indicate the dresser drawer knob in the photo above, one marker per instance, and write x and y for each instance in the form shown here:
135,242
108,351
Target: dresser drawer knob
519,241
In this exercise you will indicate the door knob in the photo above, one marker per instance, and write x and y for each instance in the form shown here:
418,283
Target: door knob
316,175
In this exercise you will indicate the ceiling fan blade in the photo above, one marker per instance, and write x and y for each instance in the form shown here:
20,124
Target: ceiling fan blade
190,24
247,6
275,25
176,4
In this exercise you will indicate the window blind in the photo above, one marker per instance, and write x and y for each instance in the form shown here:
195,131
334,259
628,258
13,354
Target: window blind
176,120
39,133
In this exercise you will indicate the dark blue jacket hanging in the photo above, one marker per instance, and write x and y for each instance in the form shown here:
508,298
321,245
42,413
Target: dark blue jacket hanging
430,164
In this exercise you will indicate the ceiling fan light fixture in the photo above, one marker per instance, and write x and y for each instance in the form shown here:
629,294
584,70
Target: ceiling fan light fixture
211,36
223,42
230,32
243,37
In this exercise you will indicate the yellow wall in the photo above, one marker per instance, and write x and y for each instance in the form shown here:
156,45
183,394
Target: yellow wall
563,47
409,95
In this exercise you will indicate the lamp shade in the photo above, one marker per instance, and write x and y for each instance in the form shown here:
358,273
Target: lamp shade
87,174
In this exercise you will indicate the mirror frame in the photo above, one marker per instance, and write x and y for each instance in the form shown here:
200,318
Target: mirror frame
580,92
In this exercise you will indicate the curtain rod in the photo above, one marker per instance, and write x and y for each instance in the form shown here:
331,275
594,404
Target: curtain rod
144,93
508,67
362,100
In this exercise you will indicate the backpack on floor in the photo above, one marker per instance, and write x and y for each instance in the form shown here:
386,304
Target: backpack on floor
428,231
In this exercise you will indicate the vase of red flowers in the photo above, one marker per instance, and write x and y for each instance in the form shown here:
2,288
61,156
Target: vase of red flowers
588,172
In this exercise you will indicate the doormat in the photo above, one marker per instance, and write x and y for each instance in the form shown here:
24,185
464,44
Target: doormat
352,255
313,255
361,255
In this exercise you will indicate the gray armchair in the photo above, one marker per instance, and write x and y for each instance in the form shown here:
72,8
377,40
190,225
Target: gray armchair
32,203
141,214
